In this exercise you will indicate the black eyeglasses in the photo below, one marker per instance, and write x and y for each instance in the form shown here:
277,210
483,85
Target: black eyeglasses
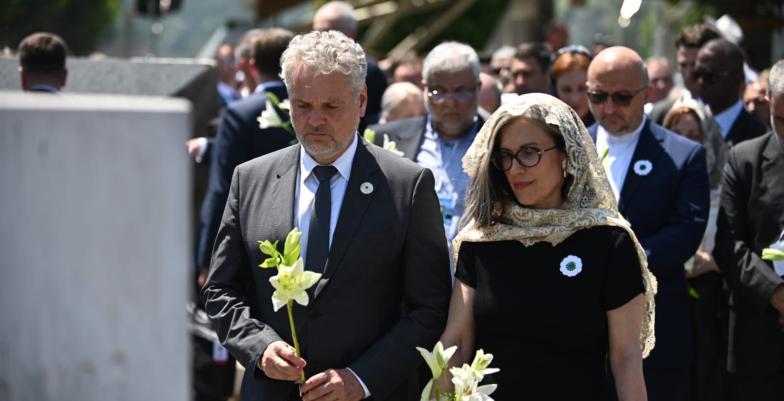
708,77
527,156
619,98
461,95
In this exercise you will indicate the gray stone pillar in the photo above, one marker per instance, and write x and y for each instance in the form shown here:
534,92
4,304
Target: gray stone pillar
94,248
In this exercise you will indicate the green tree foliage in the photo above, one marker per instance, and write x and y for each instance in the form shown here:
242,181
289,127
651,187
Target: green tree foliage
81,23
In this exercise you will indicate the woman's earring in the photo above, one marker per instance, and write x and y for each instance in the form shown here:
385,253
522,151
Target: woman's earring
563,166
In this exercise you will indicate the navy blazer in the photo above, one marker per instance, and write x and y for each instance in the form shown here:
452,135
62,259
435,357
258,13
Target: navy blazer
238,140
668,210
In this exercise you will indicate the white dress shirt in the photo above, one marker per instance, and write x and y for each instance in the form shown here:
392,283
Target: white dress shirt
726,118
305,195
619,155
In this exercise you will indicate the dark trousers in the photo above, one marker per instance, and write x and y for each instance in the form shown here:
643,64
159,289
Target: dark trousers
757,388
709,313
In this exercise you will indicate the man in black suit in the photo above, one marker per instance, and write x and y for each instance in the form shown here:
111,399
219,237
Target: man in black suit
370,225
660,180
42,63
241,136
719,74
440,139
339,15
751,218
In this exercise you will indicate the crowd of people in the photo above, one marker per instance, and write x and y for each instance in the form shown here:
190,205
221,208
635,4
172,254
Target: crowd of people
596,227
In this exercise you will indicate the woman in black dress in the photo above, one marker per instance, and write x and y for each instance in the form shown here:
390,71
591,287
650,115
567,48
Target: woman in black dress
551,279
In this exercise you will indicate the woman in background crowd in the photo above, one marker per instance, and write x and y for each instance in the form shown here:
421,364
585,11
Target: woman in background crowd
568,74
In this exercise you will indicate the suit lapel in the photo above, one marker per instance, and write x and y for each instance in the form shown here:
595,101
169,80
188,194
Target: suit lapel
648,148
355,202
282,192
411,148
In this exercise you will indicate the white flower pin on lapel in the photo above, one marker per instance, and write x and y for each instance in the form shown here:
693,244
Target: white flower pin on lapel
643,167
571,266
366,188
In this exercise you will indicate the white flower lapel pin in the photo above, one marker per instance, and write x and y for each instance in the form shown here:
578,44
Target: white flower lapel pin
643,167
571,266
366,188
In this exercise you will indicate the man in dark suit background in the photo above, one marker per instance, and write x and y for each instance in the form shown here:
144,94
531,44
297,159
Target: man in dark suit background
719,75
42,63
661,183
241,137
370,225
440,139
751,218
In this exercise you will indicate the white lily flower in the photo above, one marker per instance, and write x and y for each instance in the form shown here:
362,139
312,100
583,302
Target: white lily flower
481,363
391,146
269,117
291,283
438,360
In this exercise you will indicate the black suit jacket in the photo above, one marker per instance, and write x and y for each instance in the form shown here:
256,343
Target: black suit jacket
668,210
386,287
750,219
239,139
745,127
408,134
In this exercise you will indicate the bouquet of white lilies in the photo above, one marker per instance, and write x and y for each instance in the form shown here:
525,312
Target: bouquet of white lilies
465,379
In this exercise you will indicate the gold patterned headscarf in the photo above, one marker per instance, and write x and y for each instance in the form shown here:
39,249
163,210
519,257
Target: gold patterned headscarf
588,202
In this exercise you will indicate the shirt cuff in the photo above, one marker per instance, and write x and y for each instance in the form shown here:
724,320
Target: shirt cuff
202,141
364,387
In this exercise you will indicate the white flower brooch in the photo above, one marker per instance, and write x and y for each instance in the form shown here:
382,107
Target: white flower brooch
643,167
571,266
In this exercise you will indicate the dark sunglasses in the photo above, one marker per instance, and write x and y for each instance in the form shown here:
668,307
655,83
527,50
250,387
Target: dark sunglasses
527,156
709,77
619,98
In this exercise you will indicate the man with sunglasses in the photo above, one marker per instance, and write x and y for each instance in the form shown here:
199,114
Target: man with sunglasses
440,139
719,74
661,183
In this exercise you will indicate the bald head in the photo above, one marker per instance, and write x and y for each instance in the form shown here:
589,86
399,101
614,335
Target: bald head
617,88
338,16
618,64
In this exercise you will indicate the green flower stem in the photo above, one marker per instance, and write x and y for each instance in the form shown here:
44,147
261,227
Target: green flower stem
289,307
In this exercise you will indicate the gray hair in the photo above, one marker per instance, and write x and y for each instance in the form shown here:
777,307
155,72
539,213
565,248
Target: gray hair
340,15
776,79
502,53
396,93
451,57
324,53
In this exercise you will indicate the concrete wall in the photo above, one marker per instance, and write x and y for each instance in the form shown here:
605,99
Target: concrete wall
94,248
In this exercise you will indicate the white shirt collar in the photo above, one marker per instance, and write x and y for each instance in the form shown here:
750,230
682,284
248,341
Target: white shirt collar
726,118
343,163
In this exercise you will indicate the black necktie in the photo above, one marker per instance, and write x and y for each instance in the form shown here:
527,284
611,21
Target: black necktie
318,232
